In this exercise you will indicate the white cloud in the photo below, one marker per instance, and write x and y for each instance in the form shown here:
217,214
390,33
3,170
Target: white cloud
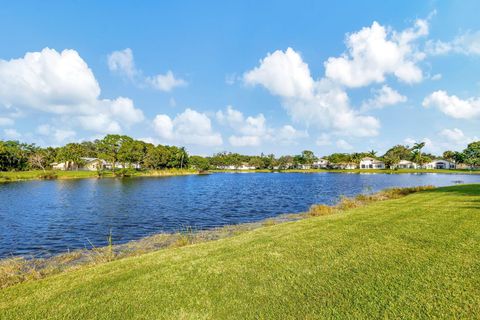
123,110
384,96
446,139
250,131
49,81
453,106
456,139
320,103
61,83
11,133
253,130
165,82
4,122
59,135
283,74
375,52
288,135
467,43
189,127
436,77
122,62
344,145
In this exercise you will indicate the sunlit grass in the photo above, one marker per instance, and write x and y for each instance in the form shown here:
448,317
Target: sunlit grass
411,257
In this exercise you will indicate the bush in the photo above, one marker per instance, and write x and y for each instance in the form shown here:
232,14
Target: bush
48,175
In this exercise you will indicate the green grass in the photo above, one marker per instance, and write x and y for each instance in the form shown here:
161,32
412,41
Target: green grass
389,171
10,176
412,257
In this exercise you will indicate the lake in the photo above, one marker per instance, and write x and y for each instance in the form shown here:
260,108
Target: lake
41,218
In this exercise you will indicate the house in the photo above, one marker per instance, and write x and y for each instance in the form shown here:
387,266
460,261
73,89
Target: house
92,164
371,163
405,164
231,167
343,165
245,166
320,164
440,164
88,164
304,166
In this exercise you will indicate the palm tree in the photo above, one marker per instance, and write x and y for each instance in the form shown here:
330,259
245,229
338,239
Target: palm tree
417,151
372,153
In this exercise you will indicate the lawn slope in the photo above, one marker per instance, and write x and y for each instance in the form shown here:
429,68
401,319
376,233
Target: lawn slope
414,257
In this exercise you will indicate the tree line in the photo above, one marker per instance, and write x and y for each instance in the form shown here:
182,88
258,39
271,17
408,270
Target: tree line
114,149
124,150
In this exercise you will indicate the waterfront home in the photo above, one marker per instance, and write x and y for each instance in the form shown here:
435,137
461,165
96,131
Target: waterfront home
88,164
343,165
439,164
371,163
320,164
245,166
405,164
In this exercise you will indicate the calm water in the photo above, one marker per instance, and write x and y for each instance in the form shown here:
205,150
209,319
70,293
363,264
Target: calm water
47,217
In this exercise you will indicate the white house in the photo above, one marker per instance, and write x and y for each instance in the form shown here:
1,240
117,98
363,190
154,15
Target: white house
245,166
343,166
371,163
440,164
405,164
89,164
320,164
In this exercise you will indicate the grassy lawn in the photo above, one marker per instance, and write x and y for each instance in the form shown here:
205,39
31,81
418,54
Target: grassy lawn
399,171
413,257
6,176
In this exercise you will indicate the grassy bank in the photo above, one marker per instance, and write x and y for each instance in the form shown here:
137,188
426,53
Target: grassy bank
388,171
10,176
413,257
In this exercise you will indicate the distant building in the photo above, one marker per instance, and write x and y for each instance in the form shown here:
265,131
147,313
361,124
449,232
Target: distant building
440,164
88,164
405,164
371,163
320,164
343,166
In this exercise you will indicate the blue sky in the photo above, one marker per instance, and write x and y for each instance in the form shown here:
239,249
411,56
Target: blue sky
275,76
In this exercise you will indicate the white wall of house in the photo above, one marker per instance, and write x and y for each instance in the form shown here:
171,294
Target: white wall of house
405,164
440,164
371,163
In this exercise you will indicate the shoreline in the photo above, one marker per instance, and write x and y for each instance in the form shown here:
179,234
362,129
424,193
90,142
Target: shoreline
16,176
18,269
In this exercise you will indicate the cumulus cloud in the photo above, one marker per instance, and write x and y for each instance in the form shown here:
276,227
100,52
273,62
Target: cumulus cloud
122,62
283,74
375,52
385,96
61,83
319,103
453,106
446,139
190,127
253,130
249,131
165,82
467,43
59,135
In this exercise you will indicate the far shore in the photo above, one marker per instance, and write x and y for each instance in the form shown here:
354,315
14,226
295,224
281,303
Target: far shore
11,176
